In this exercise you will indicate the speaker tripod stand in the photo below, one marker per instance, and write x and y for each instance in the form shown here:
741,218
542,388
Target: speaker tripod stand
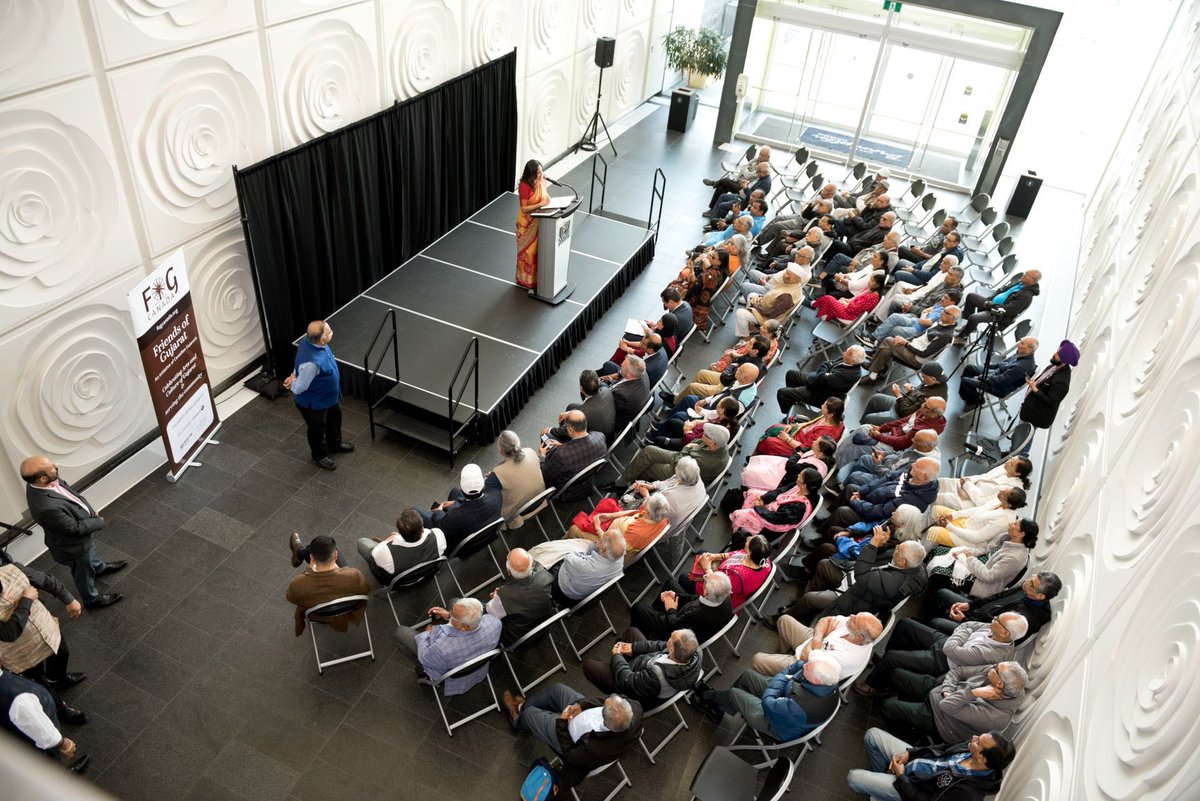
592,131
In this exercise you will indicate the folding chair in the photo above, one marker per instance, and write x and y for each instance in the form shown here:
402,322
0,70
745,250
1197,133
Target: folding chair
621,785
470,666
532,634
412,577
830,335
1002,248
595,597
483,537
672,704
733,166
724,776
610,456
805,741
640,556
975,207
711,489
337,608
858,171
987,218
915,190
974,244
917,229
706,648
992,451
986,273
585,476
530,510
925,204
753,611
804,193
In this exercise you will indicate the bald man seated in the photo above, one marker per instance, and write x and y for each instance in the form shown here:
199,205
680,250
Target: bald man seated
525,600
68,522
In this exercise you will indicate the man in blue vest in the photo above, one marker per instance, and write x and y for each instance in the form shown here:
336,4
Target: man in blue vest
316,387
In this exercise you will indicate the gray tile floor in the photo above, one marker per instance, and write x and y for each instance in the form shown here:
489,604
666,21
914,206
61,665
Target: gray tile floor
198,688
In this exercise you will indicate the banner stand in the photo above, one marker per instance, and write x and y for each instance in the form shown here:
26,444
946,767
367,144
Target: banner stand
173,476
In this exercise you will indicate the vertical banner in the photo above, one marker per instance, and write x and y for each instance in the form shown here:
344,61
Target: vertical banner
165,326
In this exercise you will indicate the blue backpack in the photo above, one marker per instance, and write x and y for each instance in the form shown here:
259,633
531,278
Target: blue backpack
542,782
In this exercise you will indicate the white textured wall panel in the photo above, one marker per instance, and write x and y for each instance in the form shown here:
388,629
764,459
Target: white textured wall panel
186,122
595,18
422,44
494,28
324,72
41,42
550,33
133,29
64,225
544,126
279,10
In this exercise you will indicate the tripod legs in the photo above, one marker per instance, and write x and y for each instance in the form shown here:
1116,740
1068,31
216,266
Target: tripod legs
592,132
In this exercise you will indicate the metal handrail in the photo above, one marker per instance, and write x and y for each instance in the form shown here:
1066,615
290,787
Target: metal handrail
656,192
603,178
372,374
453,401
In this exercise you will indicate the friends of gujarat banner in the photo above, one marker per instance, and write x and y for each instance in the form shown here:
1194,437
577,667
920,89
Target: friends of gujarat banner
164,323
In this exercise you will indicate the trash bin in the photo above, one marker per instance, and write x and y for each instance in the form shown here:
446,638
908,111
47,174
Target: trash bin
683,109
1026,191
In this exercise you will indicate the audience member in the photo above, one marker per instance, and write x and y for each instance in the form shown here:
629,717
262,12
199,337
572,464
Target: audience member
652,463
648,671
29,715
831,379
411,544
1003,308
466,634
969,491
676,608
968,771
518,478
904,399
469,508
747,567
631,392
324,580
849,639
639,526
1004,377
597,404
1031,600
580,573
964,701
1045,391
563,461
920,351
787,706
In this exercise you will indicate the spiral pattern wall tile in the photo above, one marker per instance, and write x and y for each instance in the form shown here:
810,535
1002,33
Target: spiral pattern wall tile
1073,560
1045,765
551,34
191,123
542,119
79,393
423,45
1070,476
223,295
1159,455
631,12
279,10
629,72
327,78
1141,739
583,95
1162,240
41,42
64,225
495,28
595,18
130,29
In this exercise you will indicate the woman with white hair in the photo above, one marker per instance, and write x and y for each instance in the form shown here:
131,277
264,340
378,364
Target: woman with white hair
907,524
518,478
637,526
738,248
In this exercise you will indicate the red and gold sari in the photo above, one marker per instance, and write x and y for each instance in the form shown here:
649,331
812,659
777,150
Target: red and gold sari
527,234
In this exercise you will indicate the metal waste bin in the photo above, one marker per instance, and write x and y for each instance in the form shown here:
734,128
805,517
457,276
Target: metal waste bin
684,103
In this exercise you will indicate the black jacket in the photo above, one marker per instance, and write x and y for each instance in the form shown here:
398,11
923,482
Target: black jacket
702,619
600,411
630,397
595,748
1039,408
67,525
877,591
1008,375
638,676
1016,303
1012,600
466,517
945,786
832,379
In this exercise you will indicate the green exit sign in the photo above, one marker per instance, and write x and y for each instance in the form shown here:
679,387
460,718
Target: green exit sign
891,5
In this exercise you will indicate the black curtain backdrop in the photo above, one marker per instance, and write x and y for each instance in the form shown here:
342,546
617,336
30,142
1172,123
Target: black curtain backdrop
325,220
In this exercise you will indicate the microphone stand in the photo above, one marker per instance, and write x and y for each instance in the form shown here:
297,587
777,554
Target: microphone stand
988,346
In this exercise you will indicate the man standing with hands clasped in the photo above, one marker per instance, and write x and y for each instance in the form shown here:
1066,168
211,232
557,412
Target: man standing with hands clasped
69,522
316,387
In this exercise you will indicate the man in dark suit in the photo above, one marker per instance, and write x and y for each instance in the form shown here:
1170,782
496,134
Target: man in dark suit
632,391
597,406
677,609
1003,377
586,732
1003,308
69,522
561,462
1048,389
832,379
469,509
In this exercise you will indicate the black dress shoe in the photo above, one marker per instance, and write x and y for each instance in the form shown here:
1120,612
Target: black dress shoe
113,567
294,546
342,447
80,764
71,716
668,397
68,680
104,600
326,463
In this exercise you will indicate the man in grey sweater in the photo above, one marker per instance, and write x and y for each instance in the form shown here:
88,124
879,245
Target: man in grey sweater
967,700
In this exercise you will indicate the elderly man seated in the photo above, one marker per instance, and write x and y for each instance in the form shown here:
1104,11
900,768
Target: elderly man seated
775,304
579,573
649,671
631,392
919,648
925,348
324,580
739,180
587,733
904,399
915,320
561,461
676,608
525,600
743,370
878,463
1031,600
763,280
787,706
1003,377
411,544
918,253
652,351
437,650
596,403
875,584
894,436
876,500
848,638
831,379
652,463
966,771
685,493
470,507
911,299
966,700
922,272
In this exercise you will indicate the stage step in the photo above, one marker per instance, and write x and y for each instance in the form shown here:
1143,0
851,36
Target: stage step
431,433
612,215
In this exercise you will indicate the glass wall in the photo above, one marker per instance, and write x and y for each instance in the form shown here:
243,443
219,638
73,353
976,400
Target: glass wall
918,90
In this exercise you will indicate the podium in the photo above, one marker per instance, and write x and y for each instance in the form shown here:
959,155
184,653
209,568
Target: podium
554,251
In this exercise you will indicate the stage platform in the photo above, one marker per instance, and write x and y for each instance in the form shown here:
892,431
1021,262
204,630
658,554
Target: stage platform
463,286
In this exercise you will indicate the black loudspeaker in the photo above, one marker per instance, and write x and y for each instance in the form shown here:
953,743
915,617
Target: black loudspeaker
1023,195
683,110
605,47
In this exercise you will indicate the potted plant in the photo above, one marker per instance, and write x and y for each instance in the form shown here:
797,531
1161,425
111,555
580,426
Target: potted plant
700,54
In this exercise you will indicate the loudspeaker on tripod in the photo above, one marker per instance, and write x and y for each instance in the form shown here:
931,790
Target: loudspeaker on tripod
605,47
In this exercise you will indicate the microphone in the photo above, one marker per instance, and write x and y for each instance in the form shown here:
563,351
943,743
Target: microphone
551,180
561,185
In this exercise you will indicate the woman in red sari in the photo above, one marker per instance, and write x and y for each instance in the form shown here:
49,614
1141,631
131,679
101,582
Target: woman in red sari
794,435
531,195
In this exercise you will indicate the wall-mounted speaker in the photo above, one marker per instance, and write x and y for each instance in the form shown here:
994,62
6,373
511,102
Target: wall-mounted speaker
605,47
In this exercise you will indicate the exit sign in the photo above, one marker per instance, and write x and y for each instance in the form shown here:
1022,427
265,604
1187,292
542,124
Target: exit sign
891,5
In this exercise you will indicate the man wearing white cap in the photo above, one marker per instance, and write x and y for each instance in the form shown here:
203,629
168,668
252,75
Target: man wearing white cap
652,463
776,304
469,509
